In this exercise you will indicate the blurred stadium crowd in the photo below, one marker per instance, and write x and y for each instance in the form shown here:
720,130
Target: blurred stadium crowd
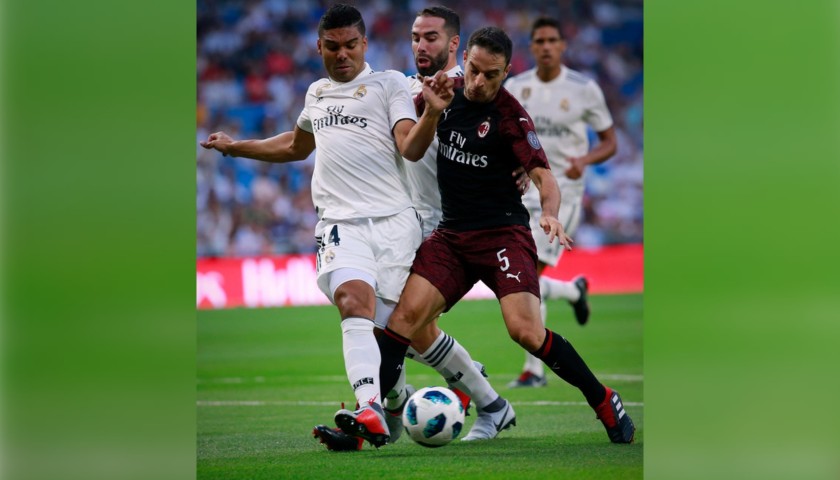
256,58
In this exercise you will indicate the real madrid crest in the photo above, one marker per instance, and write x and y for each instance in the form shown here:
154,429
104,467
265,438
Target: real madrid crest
483,128
360,92
564,104
328,256
526,92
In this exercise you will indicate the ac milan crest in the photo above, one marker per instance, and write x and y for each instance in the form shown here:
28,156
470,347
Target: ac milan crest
483,129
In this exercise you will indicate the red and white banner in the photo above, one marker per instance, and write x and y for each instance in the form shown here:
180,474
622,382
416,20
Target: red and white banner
289,280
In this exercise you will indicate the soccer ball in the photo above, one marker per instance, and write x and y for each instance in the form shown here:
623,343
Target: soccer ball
433,416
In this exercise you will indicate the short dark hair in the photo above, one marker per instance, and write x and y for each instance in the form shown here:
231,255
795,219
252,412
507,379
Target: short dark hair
494,39
341,15
451,20
545,22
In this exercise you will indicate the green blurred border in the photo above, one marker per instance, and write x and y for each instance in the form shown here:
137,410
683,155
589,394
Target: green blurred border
741,204
98,343
742,110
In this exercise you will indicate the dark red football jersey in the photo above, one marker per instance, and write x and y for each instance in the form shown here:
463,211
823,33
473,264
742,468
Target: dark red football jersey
480,145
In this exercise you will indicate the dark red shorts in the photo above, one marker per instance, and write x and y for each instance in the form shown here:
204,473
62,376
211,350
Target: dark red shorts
504,258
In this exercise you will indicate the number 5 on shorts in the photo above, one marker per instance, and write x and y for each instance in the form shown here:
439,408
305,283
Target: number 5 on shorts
503,259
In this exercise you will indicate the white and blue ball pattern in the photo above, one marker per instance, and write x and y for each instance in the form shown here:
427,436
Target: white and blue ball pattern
433,416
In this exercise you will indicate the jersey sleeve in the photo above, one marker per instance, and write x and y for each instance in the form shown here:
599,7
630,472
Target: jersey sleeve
522,136
414,85
596,114
400,104
304,120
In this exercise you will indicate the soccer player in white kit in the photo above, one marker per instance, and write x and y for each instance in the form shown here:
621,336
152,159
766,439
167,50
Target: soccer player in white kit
561,102
363,123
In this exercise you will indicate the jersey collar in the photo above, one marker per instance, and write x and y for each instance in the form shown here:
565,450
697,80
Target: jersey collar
455,71
366,70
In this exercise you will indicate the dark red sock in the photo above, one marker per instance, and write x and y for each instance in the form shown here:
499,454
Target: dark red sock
564,361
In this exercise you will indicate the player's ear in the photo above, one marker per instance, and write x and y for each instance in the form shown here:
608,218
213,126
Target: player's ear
319,47
465,56
364,43
507,70
453,43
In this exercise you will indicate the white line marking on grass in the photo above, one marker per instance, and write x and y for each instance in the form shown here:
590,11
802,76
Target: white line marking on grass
292,403
618,377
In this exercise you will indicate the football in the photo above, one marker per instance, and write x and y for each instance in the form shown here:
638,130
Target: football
433,416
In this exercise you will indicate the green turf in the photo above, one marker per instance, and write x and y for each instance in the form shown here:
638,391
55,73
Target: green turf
267,376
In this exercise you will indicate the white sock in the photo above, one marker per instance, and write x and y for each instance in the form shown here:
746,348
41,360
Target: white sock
532,363
361,359
451,360
557,289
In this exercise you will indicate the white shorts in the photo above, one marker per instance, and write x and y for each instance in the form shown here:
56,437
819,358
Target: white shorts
382,247
569,216
430,220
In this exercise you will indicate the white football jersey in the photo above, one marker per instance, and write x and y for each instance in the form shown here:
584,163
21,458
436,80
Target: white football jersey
422,174
359,171
561,109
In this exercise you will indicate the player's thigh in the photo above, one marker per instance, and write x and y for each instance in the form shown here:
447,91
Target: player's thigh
439,262
419,305
394,241
344,247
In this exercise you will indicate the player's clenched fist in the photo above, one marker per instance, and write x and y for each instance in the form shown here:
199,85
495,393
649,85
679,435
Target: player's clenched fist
219,140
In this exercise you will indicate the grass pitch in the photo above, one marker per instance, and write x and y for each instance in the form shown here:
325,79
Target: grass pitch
265,377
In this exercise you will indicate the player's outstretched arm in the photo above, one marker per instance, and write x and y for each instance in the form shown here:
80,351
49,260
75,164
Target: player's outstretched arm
550,203
285,147
607,146
413,139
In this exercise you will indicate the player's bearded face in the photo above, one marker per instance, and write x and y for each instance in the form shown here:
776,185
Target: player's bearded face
484,73
343,51
430,44
428,65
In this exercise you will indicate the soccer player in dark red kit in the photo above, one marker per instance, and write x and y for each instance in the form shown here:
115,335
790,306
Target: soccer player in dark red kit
484,234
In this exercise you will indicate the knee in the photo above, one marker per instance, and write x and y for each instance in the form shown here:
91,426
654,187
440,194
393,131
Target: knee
529,338
352,305
404,321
